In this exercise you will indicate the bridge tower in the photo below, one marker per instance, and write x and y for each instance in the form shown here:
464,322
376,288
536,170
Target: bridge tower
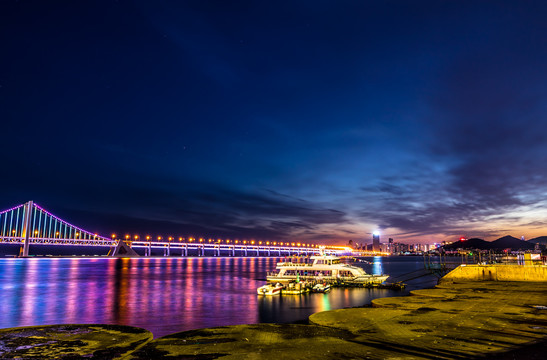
25,231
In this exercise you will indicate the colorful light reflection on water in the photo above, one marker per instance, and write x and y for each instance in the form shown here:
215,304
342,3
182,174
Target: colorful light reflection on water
163,295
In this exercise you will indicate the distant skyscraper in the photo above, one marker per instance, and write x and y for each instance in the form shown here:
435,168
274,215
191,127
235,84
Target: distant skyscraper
390,246
376,241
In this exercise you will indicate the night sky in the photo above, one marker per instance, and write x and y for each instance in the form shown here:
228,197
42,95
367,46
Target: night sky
318,121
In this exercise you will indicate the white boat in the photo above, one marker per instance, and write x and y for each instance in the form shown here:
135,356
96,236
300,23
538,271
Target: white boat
322,268
270,289
321,288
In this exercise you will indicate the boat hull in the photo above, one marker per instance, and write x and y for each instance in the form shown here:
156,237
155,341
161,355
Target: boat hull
363,280
269,290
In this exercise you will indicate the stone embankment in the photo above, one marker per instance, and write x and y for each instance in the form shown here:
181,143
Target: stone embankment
461,318
497,273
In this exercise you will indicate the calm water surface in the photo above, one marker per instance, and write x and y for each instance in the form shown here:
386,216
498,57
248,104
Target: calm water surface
168,295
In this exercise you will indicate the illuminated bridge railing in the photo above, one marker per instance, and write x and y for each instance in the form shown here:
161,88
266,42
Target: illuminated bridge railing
29,224
203,249
58,241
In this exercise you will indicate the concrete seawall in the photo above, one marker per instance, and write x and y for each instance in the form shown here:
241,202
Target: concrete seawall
497,273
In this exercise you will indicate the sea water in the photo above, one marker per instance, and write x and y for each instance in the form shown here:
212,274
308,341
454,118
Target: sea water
170,294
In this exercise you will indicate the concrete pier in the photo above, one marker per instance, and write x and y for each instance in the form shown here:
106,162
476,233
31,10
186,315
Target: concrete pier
461,318
498,273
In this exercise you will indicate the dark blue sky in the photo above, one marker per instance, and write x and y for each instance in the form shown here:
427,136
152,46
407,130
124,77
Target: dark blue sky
316,121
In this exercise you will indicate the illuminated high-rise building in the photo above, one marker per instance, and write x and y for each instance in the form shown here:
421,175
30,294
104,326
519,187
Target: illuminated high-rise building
376,241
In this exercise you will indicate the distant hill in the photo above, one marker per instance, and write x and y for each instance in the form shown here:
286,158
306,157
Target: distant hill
501,243
539,240
513,243
474,243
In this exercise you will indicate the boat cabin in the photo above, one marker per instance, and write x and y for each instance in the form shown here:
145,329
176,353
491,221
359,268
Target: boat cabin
325,260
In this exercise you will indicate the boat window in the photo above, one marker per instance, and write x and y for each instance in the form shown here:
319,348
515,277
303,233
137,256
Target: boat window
345,273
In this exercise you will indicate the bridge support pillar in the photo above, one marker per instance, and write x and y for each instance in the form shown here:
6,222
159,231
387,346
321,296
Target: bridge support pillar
149,249
27,209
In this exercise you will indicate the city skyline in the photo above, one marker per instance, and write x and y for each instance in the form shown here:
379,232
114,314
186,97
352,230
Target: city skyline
311,121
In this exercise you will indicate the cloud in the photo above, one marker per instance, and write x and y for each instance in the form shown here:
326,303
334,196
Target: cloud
210,209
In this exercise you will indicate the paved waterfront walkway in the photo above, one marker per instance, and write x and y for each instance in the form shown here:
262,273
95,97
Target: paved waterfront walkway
452,321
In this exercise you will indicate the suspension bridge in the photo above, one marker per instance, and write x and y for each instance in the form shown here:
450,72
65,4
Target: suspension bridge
30,224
